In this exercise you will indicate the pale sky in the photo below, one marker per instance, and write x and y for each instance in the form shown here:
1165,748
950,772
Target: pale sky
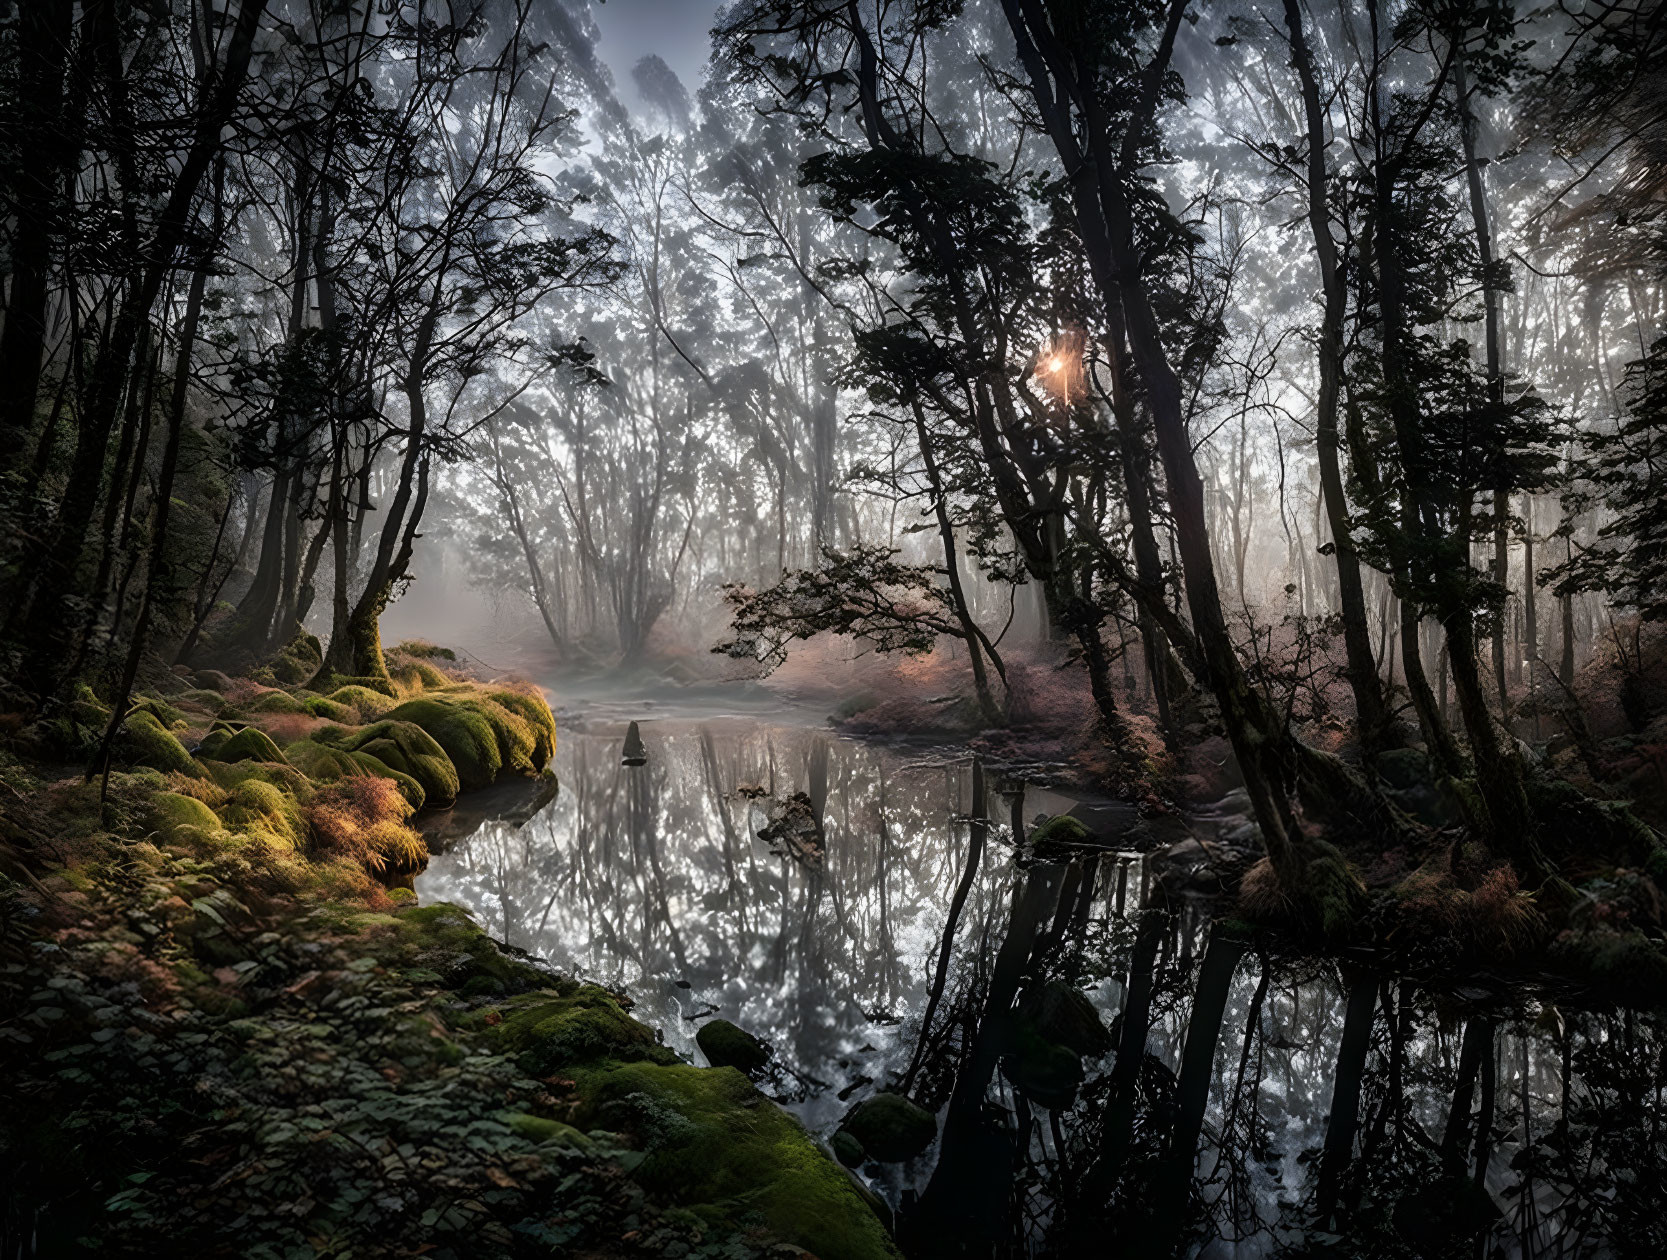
675,29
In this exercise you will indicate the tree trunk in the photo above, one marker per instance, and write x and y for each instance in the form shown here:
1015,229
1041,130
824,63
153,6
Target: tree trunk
43,38
1372,717
158,574
61,553
1345,1094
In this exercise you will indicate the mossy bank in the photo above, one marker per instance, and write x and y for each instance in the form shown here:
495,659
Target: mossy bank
227,1036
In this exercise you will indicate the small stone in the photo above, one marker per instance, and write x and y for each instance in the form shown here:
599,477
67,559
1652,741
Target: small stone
847,1150
891,1128
726,1045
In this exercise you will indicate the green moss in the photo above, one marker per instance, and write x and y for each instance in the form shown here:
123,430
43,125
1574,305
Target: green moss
282,776
726,1045
255,807
538,1129
1060,831
299,660
408,749
276,702
202,698
170,811
319,706
483,736
363,701
1569,819
152,746
891,1128
86,709
550,1032
1619,959
170,717
1332,893
338,683
321,762
847,1150
466,735
536,714
419,649
409,788
442,940
249,744
419,676
717,1147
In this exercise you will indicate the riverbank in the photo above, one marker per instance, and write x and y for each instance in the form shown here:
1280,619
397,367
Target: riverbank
1416,886
226,1034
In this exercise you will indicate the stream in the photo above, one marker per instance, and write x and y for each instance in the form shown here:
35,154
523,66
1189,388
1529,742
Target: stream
1284,1105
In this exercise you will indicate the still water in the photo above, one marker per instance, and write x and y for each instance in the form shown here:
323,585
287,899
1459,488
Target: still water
1282,1106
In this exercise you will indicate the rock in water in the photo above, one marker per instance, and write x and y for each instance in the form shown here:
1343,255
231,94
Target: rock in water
1047,1072
726,1045
1062,1013
847,1150
635,753
795,831
890,1128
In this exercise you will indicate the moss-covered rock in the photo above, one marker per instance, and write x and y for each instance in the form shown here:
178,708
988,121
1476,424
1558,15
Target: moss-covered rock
150,745
718,1148
337,683
365,702
329,710
466,734
538,1129
408,749
169,716
249,744
229,774
536,714
418,676
1403,768
171,811
324,763
891,1128
276,702
1061,835
200,698
1062,1013
299,659
86,709
726,1045
1048,1073
409,787
847,1150
551,1031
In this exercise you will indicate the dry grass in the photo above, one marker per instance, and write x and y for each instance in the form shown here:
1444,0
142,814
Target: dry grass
207,791
363,820
286,728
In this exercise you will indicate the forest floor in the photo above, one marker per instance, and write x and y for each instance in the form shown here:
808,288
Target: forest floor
225,1034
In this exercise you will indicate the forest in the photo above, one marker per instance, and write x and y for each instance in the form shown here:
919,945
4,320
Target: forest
903,628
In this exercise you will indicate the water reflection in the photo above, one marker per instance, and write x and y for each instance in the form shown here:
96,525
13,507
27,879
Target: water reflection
1233,1105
